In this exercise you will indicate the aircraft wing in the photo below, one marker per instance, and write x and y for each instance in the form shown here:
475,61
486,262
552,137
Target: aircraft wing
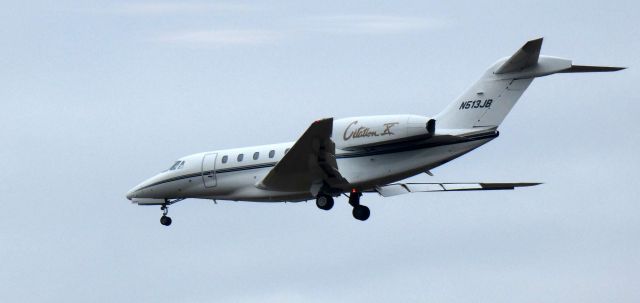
406,188
309,164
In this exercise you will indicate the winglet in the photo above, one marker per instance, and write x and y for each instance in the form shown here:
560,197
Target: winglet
526,56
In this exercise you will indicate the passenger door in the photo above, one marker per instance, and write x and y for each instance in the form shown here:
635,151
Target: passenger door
209,170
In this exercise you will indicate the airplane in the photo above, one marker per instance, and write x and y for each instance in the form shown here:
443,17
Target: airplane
358,155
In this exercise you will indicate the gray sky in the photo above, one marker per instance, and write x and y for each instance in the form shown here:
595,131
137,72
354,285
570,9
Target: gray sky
98,95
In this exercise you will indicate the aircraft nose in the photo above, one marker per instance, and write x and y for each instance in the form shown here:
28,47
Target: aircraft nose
131,193
141,190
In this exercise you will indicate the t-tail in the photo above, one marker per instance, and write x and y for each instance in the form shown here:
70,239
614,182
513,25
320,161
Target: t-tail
489,100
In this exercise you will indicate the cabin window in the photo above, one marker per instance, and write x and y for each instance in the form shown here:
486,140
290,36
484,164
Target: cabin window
272,153
256,155
287,150
225,158
240,156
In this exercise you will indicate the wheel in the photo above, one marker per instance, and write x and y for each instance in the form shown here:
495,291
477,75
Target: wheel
361,212
324,202
166,221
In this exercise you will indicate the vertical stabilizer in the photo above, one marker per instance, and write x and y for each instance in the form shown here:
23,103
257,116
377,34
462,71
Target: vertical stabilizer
488,101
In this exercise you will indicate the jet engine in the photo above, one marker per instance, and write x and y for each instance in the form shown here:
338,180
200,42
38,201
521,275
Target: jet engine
373,131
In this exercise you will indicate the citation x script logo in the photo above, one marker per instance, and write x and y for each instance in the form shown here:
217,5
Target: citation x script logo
363,132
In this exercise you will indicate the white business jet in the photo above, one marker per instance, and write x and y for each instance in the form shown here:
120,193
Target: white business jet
357,155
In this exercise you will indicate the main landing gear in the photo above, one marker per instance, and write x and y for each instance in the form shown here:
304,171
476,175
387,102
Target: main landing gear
360,212
165,220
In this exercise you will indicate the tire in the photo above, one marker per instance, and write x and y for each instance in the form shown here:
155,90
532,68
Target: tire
324,202
361,212
166,221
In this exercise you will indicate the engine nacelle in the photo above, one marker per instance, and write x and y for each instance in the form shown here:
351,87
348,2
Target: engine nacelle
370,131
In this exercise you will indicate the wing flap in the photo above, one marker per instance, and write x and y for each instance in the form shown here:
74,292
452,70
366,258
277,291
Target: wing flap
406,188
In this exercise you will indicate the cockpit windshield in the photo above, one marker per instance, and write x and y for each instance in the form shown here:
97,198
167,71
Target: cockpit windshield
177,165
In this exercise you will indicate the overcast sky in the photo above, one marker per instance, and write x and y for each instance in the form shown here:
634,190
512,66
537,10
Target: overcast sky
98,95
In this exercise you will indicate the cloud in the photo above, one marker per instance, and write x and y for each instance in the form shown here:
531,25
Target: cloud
334,24
165,8
221,37
373,24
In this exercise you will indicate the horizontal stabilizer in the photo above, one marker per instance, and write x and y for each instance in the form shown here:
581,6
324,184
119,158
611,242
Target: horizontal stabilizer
591,69
525,57
406,188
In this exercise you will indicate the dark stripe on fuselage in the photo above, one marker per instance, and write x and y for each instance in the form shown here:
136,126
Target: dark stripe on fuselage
414,146
367,153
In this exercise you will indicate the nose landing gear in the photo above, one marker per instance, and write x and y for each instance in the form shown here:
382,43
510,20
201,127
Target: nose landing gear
165,220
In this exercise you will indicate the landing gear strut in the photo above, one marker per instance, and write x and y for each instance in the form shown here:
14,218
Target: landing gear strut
324,202
165,220
360,212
